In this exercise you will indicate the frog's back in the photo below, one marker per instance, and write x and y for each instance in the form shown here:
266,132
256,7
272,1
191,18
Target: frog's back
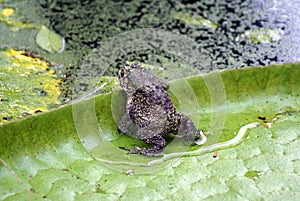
151,106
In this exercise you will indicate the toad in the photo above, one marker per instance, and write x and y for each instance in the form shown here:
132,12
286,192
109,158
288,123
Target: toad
149,109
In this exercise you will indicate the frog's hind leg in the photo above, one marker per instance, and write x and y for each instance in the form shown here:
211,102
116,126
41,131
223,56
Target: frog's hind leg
158,143
188,130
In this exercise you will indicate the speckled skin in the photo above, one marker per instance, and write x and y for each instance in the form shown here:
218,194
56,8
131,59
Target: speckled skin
149,107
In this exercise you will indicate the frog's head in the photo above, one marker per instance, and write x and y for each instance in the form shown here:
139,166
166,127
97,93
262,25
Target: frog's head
132,77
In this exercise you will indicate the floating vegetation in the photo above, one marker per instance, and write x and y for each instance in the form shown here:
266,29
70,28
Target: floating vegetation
195,21
49,40
261,36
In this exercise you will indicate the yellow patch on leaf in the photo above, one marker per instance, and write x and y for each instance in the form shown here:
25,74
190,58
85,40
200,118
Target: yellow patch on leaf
7,15
27,85
8,12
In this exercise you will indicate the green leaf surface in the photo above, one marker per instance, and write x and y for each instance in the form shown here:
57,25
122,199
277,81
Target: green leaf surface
55,155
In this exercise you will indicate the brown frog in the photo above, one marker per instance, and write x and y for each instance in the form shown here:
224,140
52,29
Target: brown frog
149,109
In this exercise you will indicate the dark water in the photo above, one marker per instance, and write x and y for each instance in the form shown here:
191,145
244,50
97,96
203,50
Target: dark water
85,24
241,33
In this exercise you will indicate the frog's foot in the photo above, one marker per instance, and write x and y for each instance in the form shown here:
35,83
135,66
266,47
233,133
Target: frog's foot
158,143
134,150
200,138
142,151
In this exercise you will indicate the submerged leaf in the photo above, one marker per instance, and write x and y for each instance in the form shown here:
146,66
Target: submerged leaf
49,40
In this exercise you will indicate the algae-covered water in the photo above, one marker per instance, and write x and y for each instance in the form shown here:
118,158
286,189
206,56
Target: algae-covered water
233,34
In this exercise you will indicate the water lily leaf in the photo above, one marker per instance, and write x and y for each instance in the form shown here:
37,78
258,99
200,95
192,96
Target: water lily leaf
61,154
27,85
49,40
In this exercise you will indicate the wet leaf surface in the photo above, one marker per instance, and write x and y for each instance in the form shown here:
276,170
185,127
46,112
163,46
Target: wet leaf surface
43,157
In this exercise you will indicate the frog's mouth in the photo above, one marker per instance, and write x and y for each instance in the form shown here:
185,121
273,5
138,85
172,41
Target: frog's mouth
124,70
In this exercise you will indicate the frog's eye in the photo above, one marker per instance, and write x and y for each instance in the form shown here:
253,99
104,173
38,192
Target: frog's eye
121,73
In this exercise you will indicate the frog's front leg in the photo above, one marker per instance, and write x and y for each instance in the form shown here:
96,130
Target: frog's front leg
157,141
126,126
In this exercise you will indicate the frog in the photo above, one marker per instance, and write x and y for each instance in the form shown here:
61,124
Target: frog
150,114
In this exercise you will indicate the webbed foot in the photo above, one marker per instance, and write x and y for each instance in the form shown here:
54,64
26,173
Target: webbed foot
134,150
200,138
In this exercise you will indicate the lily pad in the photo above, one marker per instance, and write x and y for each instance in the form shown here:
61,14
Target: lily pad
27,85
56,155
